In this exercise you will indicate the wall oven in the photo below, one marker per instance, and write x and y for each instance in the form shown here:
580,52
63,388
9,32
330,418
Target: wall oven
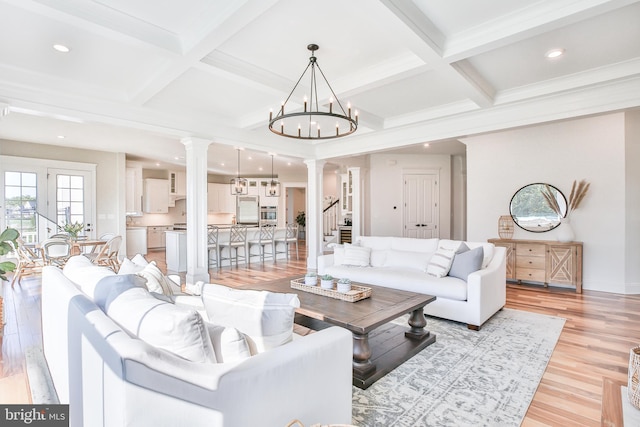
268,215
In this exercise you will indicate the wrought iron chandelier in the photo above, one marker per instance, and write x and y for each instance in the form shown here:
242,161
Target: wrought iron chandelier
239,186
273,187
310,122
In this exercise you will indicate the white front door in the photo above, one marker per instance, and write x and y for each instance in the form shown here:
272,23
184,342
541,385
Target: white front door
421,196
70,198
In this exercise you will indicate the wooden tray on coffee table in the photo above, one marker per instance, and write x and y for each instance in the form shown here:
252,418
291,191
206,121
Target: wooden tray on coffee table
356,293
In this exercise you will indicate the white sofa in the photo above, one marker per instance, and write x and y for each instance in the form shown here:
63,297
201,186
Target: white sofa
112,378
401,263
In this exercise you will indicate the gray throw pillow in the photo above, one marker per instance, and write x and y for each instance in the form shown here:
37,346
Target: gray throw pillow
466,263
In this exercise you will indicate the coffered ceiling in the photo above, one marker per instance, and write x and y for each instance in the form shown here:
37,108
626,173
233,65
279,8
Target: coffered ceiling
141,74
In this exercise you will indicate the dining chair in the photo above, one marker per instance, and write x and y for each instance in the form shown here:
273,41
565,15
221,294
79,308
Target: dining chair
290,236
28,262
265,238
212,244
56,251
237,240
108,254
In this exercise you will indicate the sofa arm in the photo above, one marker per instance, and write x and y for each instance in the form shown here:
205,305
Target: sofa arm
309,377
487,288
324,261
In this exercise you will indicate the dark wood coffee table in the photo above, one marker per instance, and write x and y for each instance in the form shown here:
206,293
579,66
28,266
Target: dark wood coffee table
378,346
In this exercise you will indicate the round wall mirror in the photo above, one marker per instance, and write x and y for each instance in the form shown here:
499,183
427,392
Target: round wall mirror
538,207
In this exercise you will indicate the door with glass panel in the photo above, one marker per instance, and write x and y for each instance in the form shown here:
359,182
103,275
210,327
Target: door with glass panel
70,198
21,203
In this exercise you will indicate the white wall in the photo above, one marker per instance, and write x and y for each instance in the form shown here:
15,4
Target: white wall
632,201
386,188
499,164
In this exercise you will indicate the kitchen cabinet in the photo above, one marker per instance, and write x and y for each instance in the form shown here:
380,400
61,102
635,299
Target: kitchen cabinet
346,196
136,241
156,195
176,251
133,191
156,236
177,183
219,199
543,261
177,187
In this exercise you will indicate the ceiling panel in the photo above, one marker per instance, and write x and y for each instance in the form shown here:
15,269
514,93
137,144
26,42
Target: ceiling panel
420,92
607,39
93,60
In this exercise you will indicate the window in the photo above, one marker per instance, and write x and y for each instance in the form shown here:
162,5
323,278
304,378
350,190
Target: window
69,199
20,195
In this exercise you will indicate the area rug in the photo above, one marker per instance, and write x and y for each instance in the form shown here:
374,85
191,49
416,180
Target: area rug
466,378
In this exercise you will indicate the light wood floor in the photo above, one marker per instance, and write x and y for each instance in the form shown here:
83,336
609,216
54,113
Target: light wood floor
600,330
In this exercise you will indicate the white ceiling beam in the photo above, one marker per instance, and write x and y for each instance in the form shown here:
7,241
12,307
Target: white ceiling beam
238,19
612,96
433,41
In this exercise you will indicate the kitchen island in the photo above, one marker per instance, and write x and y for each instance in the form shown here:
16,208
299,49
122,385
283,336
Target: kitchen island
176,249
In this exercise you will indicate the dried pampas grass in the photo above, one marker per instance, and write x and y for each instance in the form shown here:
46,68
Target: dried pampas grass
578,191
551,200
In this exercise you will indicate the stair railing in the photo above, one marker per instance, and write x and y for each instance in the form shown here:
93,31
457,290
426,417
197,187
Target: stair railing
330,217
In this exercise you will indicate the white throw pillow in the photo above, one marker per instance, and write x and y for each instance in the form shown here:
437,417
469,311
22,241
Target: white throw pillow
156,281
440,262
140,260
265,317
129,267
356,255
174,328
229,344
338,254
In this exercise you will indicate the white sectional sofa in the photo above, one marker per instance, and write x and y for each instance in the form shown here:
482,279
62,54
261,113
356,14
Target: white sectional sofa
402,263
110,377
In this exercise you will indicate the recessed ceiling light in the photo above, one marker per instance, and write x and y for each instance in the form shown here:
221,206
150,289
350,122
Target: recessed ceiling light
221,164
260,168
61,48
60,136
288,163
249,158
158,164
554,53
426,144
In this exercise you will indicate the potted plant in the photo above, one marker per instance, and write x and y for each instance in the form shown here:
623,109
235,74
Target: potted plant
326,281
311,279
344,285
8,241
301,220
73,229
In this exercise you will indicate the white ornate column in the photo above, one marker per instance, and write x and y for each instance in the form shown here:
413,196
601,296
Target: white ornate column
314,212
196,206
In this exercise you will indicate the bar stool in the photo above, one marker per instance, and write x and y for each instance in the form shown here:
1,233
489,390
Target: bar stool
212,243
237,240
290,236
265,238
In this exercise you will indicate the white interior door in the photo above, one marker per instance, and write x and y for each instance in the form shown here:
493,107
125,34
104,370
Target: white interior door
70,198
421,219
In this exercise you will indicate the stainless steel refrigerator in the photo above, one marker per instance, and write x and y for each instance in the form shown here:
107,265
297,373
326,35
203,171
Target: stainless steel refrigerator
248,210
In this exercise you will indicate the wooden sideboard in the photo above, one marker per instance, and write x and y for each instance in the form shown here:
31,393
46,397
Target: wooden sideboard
543,261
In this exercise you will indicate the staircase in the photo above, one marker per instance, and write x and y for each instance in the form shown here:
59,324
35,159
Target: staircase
330,216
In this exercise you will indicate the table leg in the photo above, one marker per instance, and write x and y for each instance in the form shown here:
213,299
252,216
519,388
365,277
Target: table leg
417,321
361,355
